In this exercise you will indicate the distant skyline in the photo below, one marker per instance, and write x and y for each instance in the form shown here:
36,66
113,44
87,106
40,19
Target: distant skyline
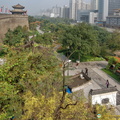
34,6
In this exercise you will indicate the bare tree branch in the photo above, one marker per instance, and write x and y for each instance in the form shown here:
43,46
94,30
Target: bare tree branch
68,105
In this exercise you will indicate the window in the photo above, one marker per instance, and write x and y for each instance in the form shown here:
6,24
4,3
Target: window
105,101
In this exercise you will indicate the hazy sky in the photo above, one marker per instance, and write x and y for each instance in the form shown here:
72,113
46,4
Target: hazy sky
34,6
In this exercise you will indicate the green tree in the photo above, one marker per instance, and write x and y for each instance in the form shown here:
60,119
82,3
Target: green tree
44,39
31,88
112,61
17,36
24,72
82,38
114,42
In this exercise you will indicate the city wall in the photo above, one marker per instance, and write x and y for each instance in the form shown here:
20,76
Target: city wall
9,21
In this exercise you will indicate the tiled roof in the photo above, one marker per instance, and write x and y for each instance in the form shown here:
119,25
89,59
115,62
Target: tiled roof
104,90
77,81
18,6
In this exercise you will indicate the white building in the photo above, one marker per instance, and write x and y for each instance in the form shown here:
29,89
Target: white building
88,6
72,9
93,16
56,11
102,10
52,15
106,96
94,4
79,4
76,5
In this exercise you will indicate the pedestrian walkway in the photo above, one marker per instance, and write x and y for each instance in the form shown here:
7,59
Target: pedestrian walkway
97,77
105,77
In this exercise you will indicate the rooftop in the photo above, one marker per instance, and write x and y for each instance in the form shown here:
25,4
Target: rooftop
104,90
113,16
76,80
18,6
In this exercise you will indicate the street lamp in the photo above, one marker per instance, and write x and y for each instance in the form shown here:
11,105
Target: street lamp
68,67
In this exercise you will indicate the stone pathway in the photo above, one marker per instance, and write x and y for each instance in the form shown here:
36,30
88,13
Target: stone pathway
105,77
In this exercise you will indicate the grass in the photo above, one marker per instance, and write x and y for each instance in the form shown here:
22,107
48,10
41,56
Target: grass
86,58
113,75
91,58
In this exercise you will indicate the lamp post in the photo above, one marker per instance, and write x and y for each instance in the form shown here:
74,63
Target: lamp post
68,67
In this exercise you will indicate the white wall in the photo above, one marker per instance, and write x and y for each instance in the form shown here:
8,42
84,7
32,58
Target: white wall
97,99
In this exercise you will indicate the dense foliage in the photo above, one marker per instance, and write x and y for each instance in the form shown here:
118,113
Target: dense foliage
31,89
17,36
26,73
89,40
32,81
44,39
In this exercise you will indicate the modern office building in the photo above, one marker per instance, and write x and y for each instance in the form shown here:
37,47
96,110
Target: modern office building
65,11
61,12
113,4
94,4
102,10
88,16
79,4
72,5
87,6
56,11
113,20
76,5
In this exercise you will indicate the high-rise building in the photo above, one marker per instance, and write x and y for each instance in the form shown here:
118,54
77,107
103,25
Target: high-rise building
75,5
94,4
102,10
72,9
65,11
56,11
88,16
113,4
79,4
61,12
88,6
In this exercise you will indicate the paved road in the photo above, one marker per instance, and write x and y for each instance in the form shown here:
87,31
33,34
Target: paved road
38,29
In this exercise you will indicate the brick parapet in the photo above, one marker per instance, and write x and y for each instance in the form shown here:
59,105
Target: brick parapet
9,21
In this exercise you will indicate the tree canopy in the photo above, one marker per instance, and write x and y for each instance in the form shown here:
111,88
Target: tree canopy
17,36
32,81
